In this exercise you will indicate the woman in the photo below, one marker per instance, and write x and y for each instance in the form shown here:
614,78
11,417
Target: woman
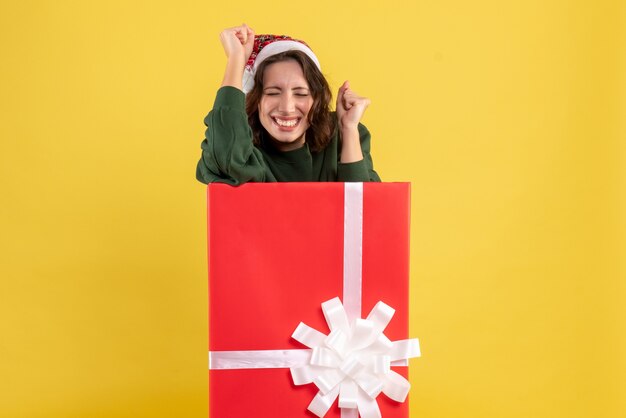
283,129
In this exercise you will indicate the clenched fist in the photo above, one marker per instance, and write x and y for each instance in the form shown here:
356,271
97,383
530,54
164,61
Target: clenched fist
350,107
238,41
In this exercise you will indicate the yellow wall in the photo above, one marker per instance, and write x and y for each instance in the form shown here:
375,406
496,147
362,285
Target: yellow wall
507,117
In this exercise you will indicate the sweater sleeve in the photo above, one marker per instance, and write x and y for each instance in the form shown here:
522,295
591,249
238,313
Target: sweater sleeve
362,170
228,155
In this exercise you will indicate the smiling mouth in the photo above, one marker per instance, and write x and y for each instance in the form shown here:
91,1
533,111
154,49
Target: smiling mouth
286,123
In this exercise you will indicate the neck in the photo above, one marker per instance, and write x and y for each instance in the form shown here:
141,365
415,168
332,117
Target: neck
288,146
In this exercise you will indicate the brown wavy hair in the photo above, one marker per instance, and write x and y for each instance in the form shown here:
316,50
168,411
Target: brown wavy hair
321,122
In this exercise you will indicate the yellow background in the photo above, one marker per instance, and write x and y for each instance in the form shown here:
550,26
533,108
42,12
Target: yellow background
507,117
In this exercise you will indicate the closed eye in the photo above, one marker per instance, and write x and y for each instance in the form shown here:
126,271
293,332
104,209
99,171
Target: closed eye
271,91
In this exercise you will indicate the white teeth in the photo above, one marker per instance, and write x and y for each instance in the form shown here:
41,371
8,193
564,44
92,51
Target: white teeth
286,123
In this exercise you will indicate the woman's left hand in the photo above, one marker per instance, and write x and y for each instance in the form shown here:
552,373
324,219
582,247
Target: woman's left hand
350,107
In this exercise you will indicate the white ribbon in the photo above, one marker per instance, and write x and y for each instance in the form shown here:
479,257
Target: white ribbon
352,248
353,361
258,359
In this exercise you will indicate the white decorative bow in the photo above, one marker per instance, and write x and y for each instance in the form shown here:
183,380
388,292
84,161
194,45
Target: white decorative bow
353,361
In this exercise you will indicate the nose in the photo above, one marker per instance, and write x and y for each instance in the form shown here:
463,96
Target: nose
287,103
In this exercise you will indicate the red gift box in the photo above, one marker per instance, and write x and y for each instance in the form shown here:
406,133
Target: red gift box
276,252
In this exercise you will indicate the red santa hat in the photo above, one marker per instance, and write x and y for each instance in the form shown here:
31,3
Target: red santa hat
267,45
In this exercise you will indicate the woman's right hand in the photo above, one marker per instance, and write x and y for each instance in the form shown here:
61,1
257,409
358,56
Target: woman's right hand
238,42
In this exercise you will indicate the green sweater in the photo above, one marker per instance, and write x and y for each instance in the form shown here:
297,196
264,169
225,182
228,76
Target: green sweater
229,156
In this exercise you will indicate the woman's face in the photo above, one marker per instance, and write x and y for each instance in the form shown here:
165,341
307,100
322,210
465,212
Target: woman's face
285,104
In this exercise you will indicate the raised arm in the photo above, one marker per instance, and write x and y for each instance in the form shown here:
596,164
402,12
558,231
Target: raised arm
350,110
237,43
355,161
228,154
